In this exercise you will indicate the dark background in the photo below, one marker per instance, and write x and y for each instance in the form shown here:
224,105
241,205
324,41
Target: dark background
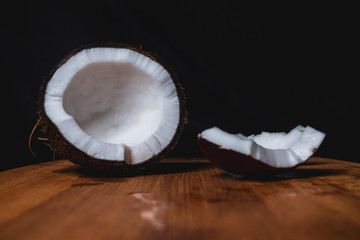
245,68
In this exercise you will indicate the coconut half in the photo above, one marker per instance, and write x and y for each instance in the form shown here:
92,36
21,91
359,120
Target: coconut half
259,153
111,107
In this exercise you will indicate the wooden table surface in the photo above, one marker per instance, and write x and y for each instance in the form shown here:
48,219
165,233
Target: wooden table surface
181,199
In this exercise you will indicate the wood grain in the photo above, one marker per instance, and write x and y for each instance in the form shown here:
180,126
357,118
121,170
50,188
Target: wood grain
181,199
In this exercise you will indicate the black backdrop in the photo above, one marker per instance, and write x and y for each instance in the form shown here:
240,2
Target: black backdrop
244,68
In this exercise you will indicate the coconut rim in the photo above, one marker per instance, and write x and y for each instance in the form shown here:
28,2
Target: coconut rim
58,141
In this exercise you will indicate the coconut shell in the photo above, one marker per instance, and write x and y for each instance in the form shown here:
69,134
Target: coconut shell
67,150
232,161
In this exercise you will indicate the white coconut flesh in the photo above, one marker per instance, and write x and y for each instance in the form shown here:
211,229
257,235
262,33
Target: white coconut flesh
280,150
114,104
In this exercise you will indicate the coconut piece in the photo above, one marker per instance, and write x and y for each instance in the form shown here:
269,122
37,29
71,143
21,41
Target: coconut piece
111,107
259,153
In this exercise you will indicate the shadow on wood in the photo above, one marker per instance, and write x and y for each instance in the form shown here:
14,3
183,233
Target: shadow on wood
295,173
165,167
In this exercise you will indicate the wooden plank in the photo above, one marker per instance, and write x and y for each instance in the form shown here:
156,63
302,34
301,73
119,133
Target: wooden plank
181,199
